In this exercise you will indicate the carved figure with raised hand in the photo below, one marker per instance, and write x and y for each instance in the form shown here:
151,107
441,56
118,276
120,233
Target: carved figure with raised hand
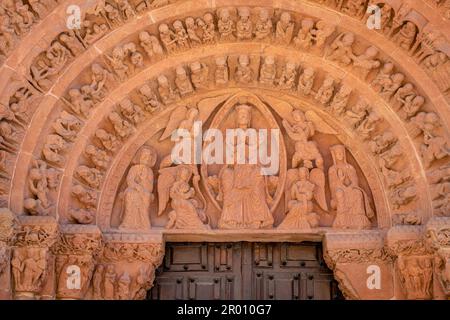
244,27
225,25
341,49
263,26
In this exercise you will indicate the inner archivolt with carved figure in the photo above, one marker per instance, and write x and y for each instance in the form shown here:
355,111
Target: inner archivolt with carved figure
348,99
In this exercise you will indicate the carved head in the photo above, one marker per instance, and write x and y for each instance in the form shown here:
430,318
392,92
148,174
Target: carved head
303,173
144,36
184,173
269,60
398,78
348,39
147,156
178,25
181,73
244,13
263,14
388,67
338,153
307,24
145,90
244,60
244,115
285,18
190,22
224,15
298,116
162,81
163,29
208,18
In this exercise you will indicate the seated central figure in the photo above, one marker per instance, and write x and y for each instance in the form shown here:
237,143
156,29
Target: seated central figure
243,189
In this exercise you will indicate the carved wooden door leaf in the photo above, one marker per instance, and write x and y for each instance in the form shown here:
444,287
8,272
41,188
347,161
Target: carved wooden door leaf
233,271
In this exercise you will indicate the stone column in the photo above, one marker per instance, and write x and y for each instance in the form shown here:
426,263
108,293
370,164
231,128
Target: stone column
7,235
127,267
438,240
31,257
76,252
360,264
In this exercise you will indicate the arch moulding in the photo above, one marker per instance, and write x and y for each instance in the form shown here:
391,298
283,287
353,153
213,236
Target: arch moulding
362,119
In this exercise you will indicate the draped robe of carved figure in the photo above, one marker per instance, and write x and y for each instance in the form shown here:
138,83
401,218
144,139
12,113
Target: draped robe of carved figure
301,215
185,214
138,195
350,201
243,190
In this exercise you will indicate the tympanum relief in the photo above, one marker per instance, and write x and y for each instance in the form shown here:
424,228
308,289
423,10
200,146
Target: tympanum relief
314,184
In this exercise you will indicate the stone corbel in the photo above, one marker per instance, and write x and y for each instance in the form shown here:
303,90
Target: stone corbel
8,229
413,262
76,251
127,267
438,240
32,263
360,264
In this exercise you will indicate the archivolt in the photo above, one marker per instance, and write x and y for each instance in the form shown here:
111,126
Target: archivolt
49,108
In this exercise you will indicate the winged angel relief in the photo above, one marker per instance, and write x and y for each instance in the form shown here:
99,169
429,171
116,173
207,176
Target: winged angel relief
178,185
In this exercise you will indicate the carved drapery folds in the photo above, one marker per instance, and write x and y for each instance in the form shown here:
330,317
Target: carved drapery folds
85,139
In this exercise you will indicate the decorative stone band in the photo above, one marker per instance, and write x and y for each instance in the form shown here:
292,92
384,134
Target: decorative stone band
354,247
78,240
36,231
406,240
132,247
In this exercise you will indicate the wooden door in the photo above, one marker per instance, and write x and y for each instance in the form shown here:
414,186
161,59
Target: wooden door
242,270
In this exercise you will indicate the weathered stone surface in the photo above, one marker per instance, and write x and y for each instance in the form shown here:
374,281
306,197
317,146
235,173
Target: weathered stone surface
90,190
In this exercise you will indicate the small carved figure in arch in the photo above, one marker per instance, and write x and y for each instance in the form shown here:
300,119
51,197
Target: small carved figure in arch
284,29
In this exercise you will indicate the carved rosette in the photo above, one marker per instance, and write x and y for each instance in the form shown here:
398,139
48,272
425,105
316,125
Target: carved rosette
76,251
32,260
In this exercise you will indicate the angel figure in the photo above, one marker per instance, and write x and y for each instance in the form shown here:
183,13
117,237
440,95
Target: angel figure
174,185
139,192
302,187
351,202
306,152
181,118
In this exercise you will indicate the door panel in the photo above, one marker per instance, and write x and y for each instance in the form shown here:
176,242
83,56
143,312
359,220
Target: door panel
233,271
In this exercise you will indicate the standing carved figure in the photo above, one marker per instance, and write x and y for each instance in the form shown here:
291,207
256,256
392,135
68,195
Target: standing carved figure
139,192
284,29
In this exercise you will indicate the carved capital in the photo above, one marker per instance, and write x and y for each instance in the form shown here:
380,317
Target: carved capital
31,256
127,268
354,258
76,251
